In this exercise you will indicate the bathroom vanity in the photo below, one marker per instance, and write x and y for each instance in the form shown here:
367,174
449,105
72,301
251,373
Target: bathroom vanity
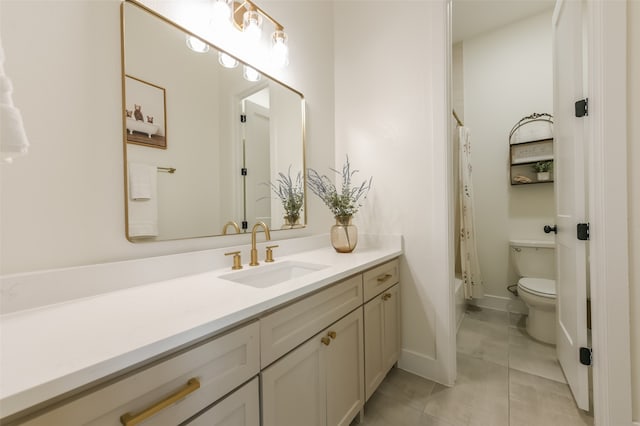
312,340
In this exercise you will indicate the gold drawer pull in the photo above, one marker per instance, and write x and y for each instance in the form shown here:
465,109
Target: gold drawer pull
332,334
129,419
386,296
384,277
325,341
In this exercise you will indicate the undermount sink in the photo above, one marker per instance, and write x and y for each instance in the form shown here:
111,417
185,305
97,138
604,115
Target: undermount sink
270,275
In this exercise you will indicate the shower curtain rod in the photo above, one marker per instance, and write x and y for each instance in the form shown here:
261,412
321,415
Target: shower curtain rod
460,123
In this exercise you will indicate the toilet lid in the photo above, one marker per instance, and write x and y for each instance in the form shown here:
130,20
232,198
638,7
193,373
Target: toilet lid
540,286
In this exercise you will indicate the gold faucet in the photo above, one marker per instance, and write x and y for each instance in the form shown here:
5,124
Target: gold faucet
230,223
254,251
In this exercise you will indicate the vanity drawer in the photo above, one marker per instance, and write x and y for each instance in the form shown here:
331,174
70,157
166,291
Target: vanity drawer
219,366
380,278
241,408
290,326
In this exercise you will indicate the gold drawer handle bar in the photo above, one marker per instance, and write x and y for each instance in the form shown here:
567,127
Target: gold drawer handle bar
325,341
384,278
332,334
386,296
129,419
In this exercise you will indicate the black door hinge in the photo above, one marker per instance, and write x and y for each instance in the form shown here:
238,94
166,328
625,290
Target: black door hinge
586,356
243,171
582,107
243,118
583,231
245,224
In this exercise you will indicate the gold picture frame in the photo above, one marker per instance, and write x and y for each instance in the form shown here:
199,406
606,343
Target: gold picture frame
145,113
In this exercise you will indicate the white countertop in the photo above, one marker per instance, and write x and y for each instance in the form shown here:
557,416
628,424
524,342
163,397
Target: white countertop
53,349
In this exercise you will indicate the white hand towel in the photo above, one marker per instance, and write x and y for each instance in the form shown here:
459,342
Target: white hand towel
143,212
141,177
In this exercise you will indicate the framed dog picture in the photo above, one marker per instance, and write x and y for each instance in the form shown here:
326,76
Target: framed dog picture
145,113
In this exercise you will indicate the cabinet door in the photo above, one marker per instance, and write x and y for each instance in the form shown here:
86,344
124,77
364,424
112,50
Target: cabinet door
345,369
373,346
391,335
382,336
294,388
241,408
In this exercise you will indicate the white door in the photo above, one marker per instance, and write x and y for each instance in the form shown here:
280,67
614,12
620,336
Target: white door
570,188
256,146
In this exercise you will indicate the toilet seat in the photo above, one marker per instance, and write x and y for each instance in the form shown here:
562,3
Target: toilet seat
539,286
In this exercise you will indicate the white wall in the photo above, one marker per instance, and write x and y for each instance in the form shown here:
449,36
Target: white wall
63,204
507,76
391,120
633,120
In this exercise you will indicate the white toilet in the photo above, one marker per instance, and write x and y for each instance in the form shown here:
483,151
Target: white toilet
535,263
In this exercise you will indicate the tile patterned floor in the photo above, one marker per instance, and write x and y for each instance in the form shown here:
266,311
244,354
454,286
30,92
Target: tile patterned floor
505,378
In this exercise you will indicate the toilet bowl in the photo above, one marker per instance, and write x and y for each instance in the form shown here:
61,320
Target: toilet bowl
535,263
539,294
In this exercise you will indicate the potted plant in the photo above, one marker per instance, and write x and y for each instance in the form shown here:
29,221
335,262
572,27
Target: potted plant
291,194
543,169
343,204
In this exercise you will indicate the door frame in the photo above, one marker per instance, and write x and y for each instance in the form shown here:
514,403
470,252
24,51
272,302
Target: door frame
606,31
607,194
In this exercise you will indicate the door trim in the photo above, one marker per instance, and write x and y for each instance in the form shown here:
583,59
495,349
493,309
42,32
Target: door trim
607,193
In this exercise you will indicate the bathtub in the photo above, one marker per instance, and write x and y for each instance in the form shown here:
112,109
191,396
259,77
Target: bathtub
141,126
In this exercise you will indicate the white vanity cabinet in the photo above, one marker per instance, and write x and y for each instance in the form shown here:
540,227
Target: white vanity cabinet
169,392
319,383
381,324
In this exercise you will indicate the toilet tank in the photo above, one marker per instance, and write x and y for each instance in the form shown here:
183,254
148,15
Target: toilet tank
535,259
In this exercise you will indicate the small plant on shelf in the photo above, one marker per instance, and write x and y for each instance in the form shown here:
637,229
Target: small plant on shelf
543,166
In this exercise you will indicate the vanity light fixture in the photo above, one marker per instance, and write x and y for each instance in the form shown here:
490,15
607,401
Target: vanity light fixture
226,60
248,17
250,74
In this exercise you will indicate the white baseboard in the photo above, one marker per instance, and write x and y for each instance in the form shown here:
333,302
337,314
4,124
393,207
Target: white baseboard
501,303
635,423
422,365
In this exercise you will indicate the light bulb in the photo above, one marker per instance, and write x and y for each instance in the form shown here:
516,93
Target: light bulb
197,45
250,74
252,25
221,13
226,60
279,49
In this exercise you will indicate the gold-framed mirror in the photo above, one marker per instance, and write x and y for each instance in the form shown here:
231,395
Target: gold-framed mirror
201,142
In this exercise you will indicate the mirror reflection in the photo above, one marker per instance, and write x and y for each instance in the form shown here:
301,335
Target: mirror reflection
202,141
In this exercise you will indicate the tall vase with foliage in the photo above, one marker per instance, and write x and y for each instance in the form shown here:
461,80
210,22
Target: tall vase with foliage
343,204
291,194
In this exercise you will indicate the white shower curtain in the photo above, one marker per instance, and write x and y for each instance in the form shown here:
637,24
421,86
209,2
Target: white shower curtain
471,276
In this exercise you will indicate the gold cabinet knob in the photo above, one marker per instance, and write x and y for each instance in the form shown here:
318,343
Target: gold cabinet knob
386,296
237,261
325,341
269,256
332,334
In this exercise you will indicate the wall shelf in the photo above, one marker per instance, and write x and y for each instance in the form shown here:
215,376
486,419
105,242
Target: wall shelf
522,157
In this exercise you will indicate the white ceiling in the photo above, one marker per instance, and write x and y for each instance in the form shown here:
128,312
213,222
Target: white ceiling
474,17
